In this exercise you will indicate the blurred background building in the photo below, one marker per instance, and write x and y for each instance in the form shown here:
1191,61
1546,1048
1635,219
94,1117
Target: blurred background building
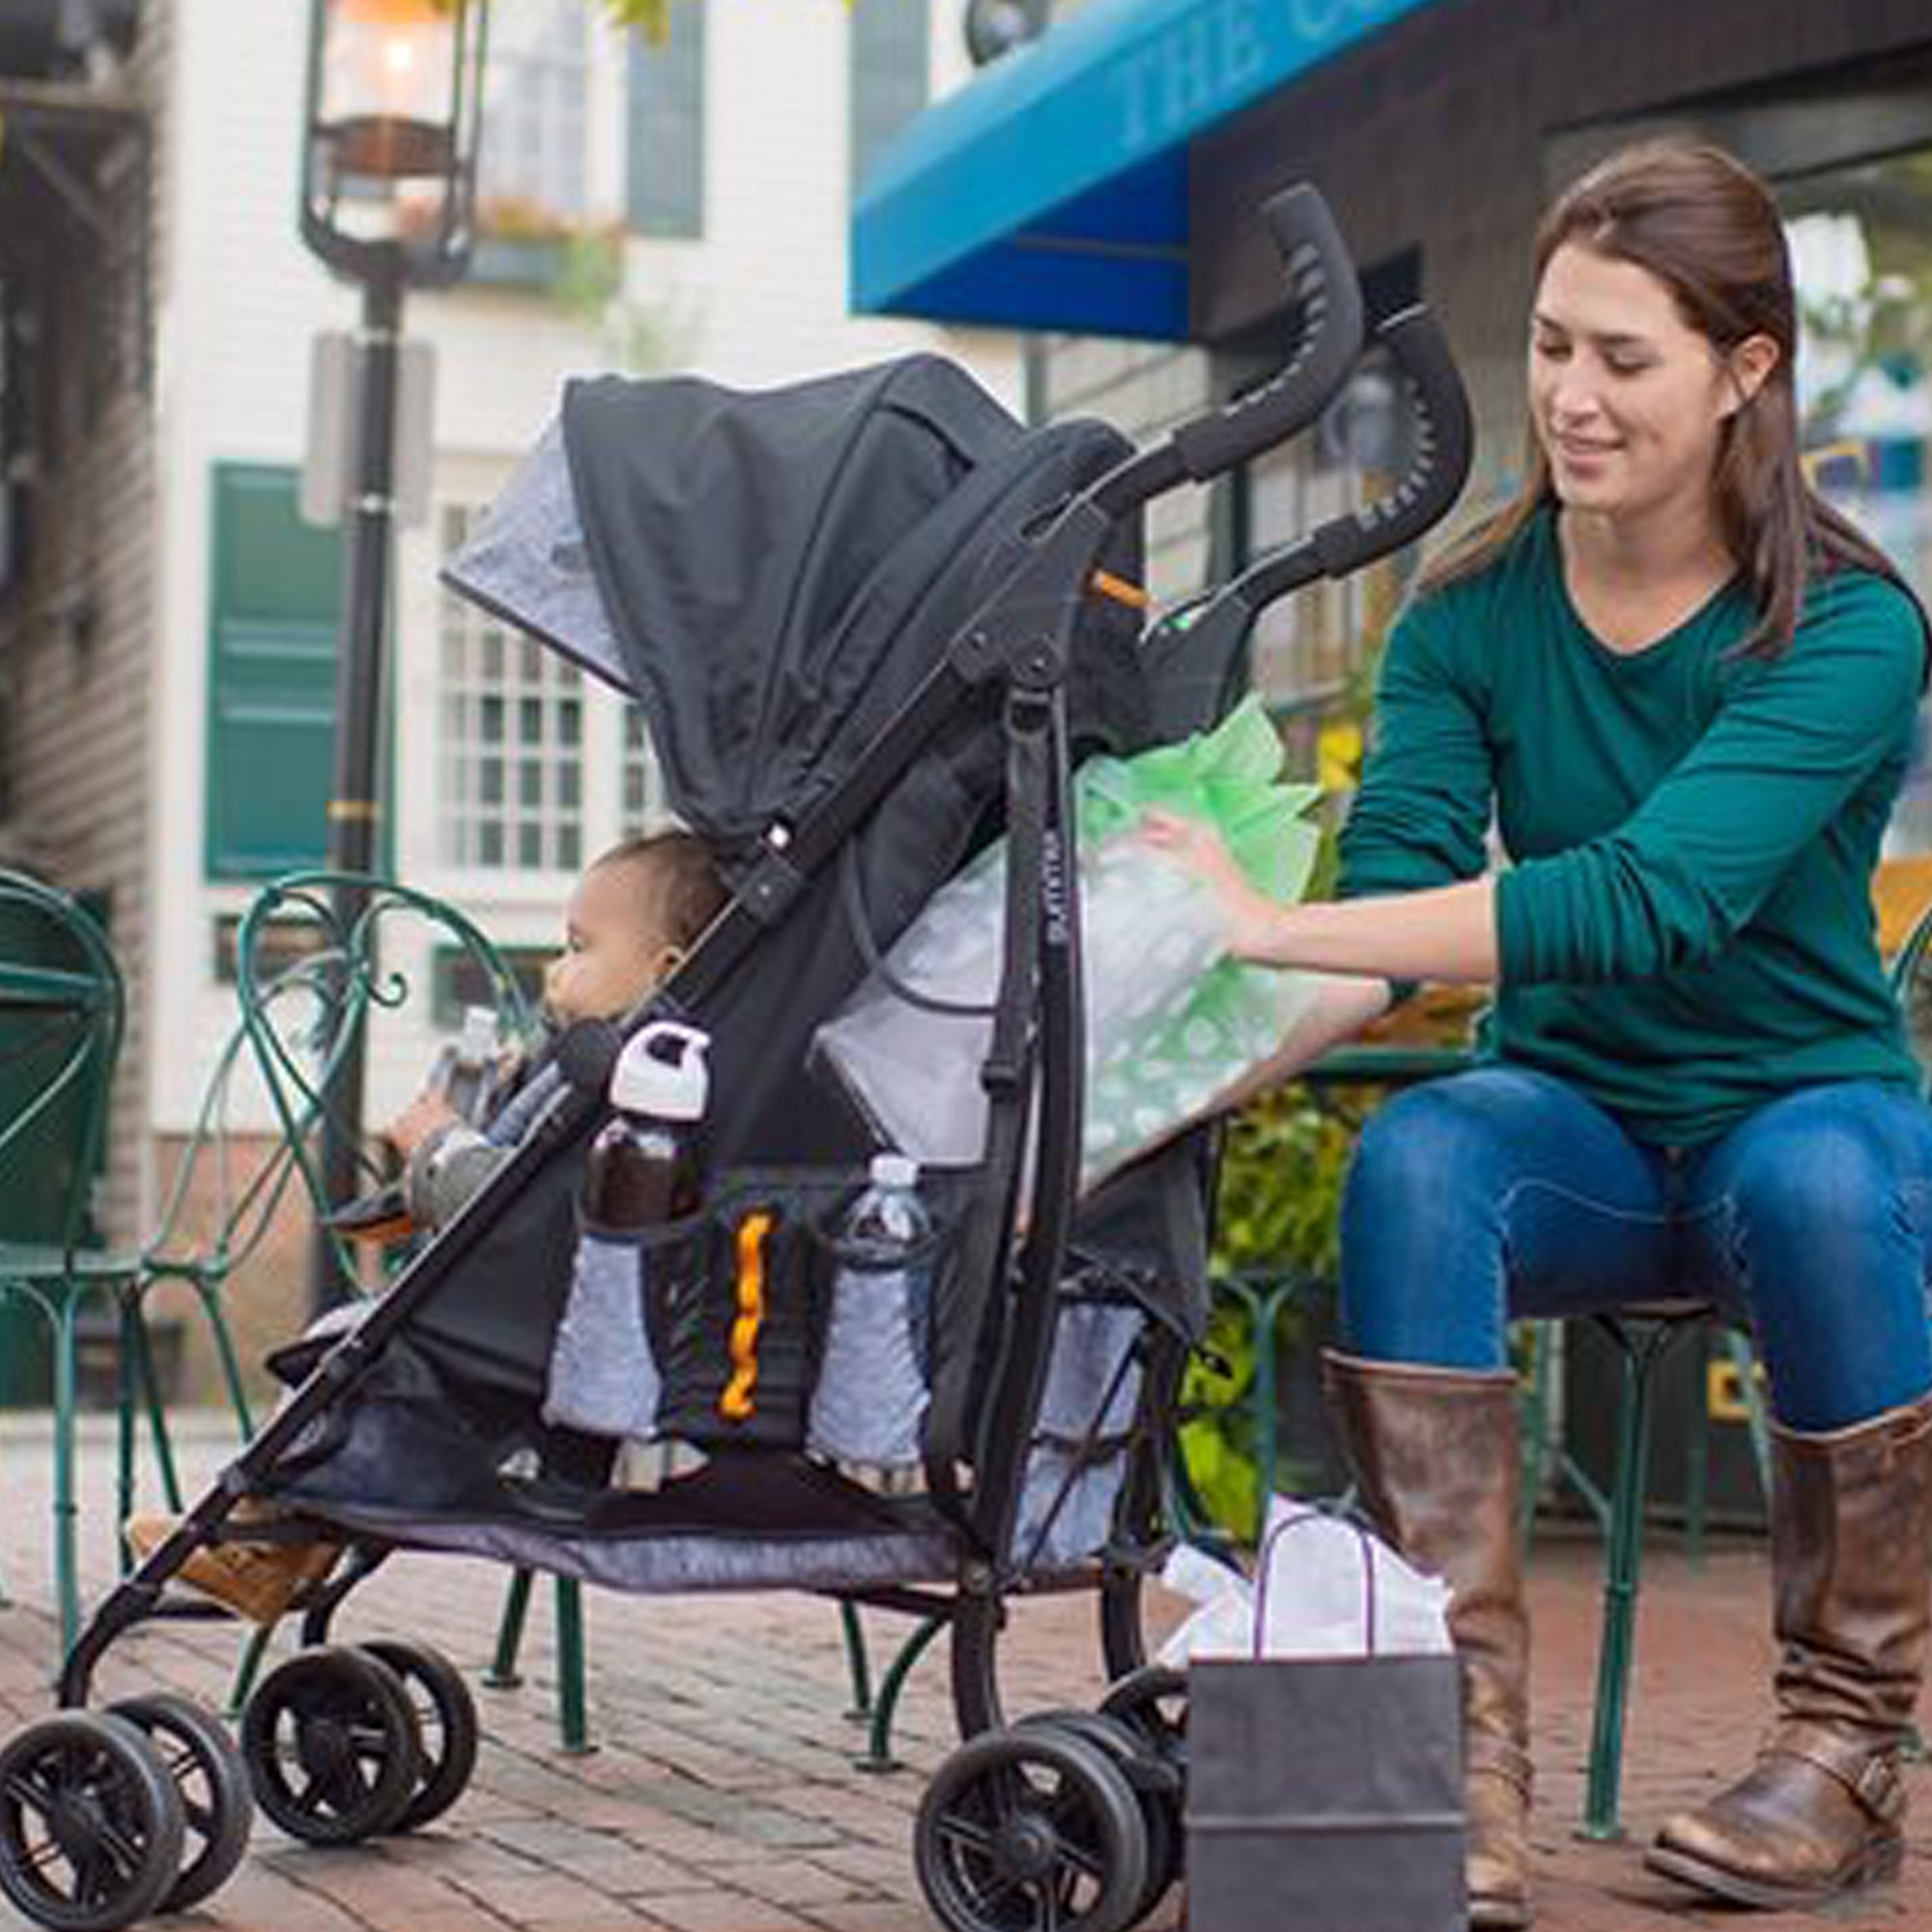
777,187
168,619
1100,187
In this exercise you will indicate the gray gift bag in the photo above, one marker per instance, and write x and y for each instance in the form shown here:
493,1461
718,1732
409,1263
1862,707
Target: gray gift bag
1325,1794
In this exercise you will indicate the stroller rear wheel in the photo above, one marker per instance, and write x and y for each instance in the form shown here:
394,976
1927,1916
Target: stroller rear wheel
332,1747
1156,1786
91,1823
446,1723
217,1806
1152,1703
1030,1829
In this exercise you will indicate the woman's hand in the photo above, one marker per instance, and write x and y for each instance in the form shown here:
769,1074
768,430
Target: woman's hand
1253,919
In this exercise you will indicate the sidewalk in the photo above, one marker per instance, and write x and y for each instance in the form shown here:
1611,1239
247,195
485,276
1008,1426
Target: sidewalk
723,1796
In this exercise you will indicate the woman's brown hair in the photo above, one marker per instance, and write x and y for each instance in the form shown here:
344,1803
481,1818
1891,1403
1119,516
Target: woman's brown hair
1708,229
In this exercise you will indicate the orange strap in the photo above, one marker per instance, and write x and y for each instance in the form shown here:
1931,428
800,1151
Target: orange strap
1104,584
736,1405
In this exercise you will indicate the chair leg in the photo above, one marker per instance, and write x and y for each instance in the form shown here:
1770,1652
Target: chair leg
1697,1454
248,1669
1622,1556
573,1723
8,1293
884,1707
224,1350
138,1355
1750,1392
502,1673
124,1437
66,1571
856,1663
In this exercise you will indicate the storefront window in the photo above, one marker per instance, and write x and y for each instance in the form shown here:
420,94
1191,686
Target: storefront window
1860,242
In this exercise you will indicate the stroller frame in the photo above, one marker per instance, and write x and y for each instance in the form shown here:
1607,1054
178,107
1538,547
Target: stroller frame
1019,643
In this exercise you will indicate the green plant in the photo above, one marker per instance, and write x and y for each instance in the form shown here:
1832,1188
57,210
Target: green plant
1277,1220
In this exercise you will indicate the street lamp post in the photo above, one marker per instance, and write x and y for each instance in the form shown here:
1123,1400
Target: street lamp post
392,121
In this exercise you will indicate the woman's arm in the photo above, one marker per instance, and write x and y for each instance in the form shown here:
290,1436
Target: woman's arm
1342,1008
1441,932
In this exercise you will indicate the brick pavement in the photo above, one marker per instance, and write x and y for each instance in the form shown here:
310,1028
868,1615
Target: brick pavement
723,1796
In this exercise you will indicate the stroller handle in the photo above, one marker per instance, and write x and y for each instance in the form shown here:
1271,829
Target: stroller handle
1445,447
1212,630
1328,298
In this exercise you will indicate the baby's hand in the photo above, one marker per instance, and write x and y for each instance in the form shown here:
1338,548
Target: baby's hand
426,1115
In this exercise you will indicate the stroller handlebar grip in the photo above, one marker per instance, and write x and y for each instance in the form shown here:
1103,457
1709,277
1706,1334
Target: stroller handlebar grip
1444,447
1328,299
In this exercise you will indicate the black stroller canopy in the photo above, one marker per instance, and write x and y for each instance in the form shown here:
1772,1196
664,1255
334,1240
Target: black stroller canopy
748,565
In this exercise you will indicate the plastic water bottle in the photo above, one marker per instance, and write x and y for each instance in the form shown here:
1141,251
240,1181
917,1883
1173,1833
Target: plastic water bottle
874,1379
642,1171
644,1165
465,1073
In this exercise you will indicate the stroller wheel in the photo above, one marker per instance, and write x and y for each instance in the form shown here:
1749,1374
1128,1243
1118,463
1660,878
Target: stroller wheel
332,1747
1152,1703
1156,1785
445,1720
217,1806
91,1825
1030,1829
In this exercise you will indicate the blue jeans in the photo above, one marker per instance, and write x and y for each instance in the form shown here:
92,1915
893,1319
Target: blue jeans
1502,1192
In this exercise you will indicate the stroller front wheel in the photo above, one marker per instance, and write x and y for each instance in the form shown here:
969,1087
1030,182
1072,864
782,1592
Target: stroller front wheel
91,1823
217,1806
446,1720
332,1747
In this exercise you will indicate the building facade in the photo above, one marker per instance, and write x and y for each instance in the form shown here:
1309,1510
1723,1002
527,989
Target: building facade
167,654
1436,129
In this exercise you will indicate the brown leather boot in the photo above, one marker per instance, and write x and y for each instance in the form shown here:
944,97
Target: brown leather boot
1438,1466
1851,1541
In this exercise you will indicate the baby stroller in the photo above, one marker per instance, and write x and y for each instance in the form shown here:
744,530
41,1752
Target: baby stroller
932,622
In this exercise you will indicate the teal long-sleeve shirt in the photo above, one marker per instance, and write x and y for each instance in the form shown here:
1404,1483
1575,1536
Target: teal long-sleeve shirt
1685,927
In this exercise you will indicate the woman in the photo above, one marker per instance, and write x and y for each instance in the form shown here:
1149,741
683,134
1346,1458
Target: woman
1686,690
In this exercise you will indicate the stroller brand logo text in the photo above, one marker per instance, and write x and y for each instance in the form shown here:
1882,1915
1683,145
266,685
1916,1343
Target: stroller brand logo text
1053,887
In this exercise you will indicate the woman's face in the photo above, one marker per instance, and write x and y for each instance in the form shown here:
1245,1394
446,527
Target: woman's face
1627,399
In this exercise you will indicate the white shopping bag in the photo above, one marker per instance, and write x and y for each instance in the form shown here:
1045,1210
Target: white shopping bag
1323,1586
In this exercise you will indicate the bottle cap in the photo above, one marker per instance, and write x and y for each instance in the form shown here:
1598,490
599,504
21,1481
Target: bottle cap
895,1170
662,1072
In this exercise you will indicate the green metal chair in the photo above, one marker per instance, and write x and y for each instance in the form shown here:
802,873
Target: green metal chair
1644,1336
227,1191
62,1009
302,1016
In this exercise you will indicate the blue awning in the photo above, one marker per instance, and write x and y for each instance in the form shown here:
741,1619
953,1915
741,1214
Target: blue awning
1051,190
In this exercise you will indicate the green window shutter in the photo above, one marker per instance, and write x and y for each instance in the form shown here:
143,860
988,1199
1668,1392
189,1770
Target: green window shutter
889,61
665,133
274,592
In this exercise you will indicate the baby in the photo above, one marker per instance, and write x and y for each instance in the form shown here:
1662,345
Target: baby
636,912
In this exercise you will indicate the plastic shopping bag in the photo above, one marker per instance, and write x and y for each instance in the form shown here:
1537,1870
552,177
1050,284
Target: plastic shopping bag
1171,1021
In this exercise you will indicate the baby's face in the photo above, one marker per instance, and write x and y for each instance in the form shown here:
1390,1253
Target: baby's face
613,952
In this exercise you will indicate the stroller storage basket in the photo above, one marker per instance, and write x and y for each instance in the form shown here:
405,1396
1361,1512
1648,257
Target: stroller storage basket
735,1299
